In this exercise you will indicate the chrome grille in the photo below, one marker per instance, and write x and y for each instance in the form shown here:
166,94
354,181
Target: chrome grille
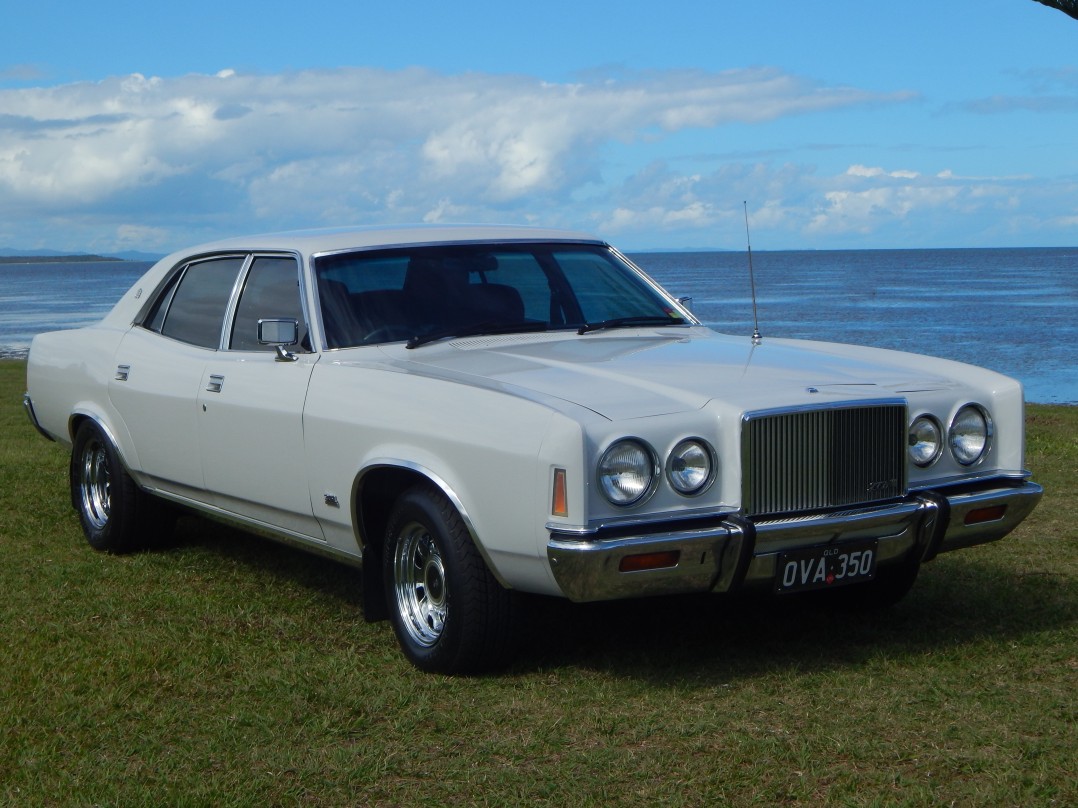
804,460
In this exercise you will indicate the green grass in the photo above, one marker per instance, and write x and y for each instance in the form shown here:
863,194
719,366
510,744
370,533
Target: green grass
225,670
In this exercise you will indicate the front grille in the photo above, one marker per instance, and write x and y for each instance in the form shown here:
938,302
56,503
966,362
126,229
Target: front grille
833,457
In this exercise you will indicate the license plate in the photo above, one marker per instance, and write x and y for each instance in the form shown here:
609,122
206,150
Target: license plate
823,567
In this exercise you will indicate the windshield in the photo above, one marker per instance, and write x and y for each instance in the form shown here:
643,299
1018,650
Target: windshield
421,294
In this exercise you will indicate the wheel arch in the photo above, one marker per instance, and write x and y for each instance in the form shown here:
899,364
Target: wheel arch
114,428
379,484
374,493
75,422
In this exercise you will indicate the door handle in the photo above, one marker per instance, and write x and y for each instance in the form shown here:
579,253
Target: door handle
217,381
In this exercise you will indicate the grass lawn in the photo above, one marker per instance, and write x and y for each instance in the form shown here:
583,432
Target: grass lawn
226,670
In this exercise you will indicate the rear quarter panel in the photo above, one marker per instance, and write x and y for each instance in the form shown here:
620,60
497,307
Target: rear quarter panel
67,374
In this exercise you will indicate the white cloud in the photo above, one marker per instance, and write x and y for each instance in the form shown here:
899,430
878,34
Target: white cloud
873,171
148,163
323,146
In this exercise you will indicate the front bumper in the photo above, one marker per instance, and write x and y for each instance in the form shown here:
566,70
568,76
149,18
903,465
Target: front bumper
732,553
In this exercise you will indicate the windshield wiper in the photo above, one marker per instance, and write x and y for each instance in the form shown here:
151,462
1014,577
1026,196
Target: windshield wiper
629,322
476,330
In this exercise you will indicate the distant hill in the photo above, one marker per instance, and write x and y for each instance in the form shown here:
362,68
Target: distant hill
54,259
10,256
134,255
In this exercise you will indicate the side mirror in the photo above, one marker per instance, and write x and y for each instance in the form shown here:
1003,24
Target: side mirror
278,332
686,302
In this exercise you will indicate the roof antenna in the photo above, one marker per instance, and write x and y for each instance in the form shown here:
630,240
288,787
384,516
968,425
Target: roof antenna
756,338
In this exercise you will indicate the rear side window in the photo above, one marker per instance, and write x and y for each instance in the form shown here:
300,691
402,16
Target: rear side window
193,309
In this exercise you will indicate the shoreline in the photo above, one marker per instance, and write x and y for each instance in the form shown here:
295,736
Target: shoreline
19,355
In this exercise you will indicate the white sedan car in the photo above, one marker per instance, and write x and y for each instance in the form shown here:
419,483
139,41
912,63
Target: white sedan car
469,413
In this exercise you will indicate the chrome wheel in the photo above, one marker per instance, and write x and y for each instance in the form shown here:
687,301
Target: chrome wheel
419,584
448,611
95,484
115,515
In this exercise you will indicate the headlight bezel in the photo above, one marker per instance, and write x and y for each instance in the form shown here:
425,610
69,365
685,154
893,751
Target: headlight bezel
604,472
913,441
968,459
707,451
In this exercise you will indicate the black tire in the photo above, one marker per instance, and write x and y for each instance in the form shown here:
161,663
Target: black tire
448,611
116,516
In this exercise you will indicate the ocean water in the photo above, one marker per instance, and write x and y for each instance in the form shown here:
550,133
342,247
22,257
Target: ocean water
52,296
1012,310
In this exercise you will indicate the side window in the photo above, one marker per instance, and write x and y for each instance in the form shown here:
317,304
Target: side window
196,311
271,292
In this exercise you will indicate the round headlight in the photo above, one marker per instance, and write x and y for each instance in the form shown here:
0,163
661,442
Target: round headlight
926,441
626,472
690,468
969,434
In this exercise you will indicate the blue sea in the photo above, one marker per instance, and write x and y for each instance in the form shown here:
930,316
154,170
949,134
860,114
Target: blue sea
1012,310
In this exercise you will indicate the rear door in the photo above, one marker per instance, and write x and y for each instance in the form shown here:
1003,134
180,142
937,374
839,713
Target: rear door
160,369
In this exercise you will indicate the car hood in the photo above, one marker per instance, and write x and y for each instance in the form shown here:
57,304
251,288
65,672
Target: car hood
622,375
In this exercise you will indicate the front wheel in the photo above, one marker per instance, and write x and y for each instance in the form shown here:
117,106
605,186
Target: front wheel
448,611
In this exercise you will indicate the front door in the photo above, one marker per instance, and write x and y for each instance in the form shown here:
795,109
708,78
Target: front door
250,407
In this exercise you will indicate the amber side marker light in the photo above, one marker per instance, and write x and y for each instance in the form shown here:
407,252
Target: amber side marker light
649,561
981,515
559,500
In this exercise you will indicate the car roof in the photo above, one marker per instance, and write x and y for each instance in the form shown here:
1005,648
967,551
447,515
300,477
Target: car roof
344,238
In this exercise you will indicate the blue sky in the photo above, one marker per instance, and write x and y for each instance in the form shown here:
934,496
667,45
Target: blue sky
128,126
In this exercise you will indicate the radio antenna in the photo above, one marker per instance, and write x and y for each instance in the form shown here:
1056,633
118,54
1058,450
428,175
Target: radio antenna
756,338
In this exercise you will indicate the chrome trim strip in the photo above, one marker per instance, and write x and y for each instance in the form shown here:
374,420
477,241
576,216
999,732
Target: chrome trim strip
233,301
963,479
291,538
890,401
28,408
664,518
678,305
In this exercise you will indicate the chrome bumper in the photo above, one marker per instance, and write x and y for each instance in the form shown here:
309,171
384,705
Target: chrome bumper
735,553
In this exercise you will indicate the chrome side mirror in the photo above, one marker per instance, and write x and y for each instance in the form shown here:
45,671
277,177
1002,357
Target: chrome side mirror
279,333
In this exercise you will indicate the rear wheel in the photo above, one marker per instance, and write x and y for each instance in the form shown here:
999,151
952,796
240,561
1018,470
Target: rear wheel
116,516
448,611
